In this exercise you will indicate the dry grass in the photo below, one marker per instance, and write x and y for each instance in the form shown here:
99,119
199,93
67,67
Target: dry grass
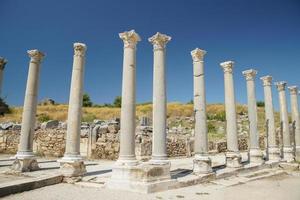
60,112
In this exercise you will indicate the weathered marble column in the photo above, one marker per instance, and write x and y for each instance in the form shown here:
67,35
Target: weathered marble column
72,163
202,162
3,62
295,118
284,118
255,154
127,136
159,149
25,159
273,150
233,157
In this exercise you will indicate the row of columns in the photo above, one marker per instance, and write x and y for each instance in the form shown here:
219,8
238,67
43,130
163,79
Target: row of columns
72,162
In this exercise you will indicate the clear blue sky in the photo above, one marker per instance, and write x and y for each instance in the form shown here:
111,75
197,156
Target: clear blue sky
259,34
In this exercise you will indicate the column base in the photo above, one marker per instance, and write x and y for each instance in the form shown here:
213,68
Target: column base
233,159
288,154
143,178
274,154
24,162
297,153
256,156
202,164
72,166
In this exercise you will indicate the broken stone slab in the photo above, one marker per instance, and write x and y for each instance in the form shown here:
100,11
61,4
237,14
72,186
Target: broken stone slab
52,124
6,125
289,166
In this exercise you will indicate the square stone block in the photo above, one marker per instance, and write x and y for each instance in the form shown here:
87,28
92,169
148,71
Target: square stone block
72,168
143,178
25,164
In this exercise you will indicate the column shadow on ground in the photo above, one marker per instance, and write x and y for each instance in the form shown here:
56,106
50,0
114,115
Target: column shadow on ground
97,172
178,173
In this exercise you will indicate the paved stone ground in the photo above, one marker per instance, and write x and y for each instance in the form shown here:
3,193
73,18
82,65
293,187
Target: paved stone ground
275,188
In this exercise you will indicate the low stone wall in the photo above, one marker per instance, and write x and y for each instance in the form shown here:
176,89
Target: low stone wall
102,142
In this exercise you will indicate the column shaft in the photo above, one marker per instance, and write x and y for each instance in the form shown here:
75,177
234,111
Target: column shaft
3,62
159,149
127,137
75,103
30,104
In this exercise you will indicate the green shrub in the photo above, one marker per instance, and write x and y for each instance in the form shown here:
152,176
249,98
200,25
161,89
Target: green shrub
88,117
260,104
43,117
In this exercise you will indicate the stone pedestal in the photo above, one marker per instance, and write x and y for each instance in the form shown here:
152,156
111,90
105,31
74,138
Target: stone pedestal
273,150
202,164
72,163
255,154
72,167
233,159
144,178
25,164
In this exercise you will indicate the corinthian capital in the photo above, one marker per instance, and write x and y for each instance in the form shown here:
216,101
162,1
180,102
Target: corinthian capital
3,62
280,85
267,80
198,54
250,74
130,39
159,41
227,66
79,49
35,55
293,90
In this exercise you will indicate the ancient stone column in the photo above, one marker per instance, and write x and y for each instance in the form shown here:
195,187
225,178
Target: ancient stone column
233,157
273,150
255,154
202,162
284,118
2,66
295,118
127,136
72,163
159,149
25,159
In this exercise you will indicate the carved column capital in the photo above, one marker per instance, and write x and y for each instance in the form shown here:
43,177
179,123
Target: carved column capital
79,49
130,39
198,54
250,74
159,41
280,85
267,80
3,62
293,90
36,55
227,66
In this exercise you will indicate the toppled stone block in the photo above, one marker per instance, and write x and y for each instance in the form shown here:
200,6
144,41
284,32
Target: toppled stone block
50,124
6,125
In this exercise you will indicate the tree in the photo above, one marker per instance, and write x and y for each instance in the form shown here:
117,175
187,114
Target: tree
86,101
4,108
118,102
260,104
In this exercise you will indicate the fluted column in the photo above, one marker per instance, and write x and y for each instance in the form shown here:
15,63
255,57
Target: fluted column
233,157
25,160
127,136
202,163
295,117
255,153
287,148
3,62
159,149
72,162
273,150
